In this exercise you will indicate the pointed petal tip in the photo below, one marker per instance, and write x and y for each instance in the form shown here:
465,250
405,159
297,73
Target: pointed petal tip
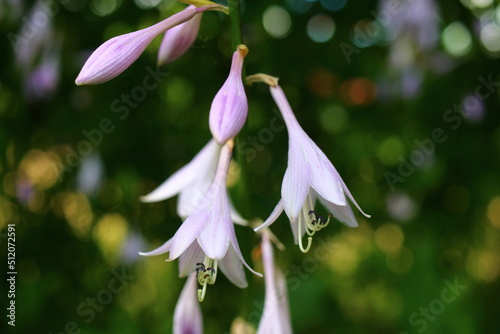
259,228
144,199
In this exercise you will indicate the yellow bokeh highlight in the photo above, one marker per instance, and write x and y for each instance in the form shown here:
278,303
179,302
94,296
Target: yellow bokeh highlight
389,238
42,169
493,212
349,249
77,211
375,300
484,265
8,212
110,232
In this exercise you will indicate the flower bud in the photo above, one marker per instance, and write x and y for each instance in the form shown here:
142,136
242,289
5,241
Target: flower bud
229,108
179,39
117,54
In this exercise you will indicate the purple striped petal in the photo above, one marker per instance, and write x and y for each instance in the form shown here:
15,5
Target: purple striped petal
229,107
179,39
117,54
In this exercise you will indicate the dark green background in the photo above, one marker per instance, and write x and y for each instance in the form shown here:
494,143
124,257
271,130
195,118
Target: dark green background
68,243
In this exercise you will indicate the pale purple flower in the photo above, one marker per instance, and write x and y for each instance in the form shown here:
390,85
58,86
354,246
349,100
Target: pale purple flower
309,175
42,81
229,107
187,315
179,39
208,232
32,38
117,54
192,182
276,315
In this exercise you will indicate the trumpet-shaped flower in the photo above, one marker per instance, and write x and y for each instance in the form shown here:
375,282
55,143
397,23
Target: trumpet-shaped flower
187,315
229,107
276,315
117,54
208,232
309,176
179,39
192,182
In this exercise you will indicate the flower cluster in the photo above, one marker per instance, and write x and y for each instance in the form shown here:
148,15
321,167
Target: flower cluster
206,240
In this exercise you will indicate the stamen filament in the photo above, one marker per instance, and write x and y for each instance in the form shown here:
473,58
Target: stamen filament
309,239
206,273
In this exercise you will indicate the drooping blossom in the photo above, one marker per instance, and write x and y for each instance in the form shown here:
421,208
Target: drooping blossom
117,54
179,39
192,182
309,176
229,107
276,314
208,233
187,314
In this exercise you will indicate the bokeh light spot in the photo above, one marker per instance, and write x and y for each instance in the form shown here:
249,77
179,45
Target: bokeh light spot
299,6
333,5
321,28
389,238
110,232
104,7
78,213
490,37
358,91
493,212
42,169
277,21
389,150
456,39
334,119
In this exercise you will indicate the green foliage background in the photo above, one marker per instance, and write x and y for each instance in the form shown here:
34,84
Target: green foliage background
68,243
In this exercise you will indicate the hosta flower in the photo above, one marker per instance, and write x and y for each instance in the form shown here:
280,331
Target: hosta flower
117,54
229,107
179,39
309,176
208,232
276,315
187,315
192,182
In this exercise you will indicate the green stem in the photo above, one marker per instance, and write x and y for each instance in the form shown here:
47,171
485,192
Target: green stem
236,39
234,16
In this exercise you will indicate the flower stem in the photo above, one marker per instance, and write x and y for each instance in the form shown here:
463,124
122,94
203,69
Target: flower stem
237,39
234,16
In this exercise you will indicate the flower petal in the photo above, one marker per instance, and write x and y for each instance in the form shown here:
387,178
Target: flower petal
117,54
346,190
234,242
202,167
179,39
213,239
342,213
325,178
276,315
272,217
160,250
187,314
296,181
188,232
187,261
232,268
229,108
